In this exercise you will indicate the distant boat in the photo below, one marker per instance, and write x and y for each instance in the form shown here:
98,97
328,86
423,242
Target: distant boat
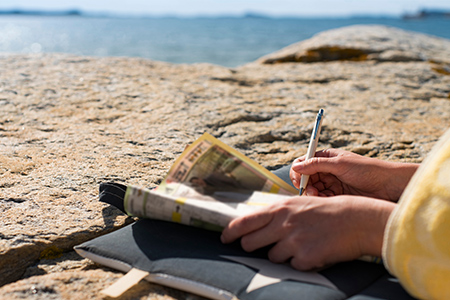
426,14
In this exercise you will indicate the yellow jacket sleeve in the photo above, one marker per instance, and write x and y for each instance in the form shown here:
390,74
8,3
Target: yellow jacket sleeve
416,247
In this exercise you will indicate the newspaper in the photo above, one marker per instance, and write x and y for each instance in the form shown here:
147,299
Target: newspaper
207,186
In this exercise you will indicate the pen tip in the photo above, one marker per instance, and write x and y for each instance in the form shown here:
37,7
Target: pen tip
301,191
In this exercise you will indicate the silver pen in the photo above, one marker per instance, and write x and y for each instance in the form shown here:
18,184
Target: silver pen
311,149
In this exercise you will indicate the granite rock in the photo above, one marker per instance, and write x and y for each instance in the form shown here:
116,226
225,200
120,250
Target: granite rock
369,42
68,123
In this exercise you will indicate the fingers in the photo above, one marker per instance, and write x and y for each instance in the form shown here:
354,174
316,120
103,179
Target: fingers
323,153
245,225
311,191
265,236
281,252
295,173
319,184
298,169
315,165
328,184
323,161
320,163
327,193
302,256
259,229
305,263
323,185
296,178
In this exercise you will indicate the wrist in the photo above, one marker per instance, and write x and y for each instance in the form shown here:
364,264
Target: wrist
372,216
397,177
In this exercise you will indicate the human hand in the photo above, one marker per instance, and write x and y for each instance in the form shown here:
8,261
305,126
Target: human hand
338,172
312,232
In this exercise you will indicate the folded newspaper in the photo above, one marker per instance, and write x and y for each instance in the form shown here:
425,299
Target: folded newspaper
208,185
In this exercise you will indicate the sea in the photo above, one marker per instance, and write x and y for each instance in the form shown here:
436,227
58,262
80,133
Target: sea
226,41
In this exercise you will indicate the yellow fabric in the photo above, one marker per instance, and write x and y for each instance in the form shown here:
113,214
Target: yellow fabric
416,246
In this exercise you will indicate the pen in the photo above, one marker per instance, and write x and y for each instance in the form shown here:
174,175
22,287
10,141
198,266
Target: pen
312,148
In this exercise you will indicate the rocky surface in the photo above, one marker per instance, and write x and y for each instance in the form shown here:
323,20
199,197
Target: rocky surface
378,43
68,123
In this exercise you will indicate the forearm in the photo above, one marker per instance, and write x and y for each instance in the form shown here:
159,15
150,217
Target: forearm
397,176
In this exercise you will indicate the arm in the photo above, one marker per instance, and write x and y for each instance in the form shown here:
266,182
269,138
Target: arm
337,172
416,246
313,232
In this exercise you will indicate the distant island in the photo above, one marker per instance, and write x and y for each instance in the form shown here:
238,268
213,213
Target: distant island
428,13
71,12
77,12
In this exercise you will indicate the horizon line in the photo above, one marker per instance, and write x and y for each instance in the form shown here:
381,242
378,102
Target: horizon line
418,14
246,14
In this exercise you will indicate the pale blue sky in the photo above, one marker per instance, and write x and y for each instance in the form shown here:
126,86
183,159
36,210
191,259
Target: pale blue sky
217,7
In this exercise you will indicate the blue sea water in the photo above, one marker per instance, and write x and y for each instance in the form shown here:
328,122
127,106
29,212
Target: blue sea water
227,41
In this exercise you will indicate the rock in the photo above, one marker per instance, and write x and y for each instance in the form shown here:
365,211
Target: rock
369,42
68,123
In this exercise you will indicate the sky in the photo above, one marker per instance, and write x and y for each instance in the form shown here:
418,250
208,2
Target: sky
315,8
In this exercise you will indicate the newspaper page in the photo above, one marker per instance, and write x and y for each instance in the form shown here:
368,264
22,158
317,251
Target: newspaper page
211,166
204,212
207,186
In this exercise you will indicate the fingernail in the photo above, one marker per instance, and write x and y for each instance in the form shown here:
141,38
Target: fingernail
295,182
222,239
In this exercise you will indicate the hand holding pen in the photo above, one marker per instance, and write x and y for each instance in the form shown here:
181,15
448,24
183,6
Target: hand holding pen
302,228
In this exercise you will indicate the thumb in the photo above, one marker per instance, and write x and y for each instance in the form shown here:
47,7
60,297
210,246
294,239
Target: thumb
315,165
